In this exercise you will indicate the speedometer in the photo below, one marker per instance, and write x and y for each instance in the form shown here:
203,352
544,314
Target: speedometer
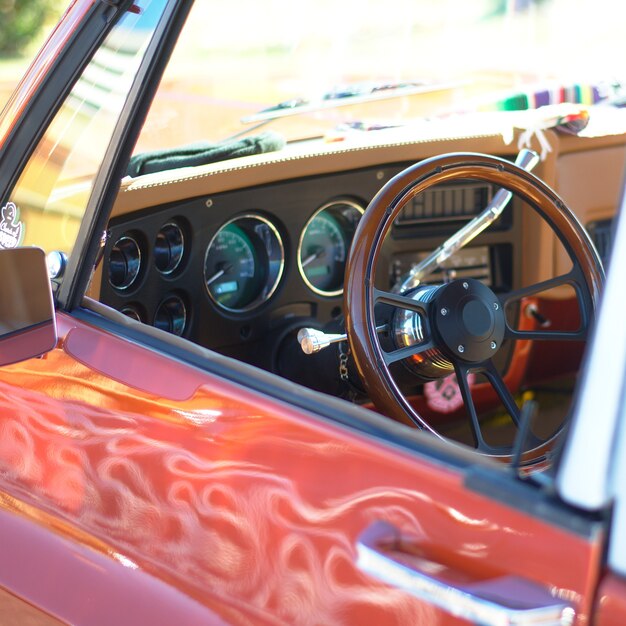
243,263
324,246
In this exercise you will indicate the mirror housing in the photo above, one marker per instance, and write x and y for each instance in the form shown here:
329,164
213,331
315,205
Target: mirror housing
27,318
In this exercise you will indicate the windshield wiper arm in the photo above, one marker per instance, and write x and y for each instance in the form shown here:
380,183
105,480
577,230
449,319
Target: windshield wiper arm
345,96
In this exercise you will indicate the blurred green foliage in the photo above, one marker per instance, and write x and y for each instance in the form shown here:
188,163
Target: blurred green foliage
21,21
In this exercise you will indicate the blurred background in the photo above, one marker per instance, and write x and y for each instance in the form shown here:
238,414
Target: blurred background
24,24
259,53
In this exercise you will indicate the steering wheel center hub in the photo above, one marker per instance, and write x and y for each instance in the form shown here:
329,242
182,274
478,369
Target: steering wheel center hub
469,320
476,318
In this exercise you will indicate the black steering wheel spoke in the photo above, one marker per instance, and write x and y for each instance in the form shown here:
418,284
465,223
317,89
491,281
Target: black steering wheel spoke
574,279
571,278
462,373
460,325
495,379
407,351
497,382
398,301
546,335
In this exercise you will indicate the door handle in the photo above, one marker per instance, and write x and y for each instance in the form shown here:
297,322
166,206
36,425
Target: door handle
501,601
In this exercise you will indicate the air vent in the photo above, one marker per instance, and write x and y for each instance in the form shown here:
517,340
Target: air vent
601,233
466,263
446,203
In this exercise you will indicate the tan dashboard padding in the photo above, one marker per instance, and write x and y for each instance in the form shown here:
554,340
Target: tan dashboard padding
295,161
590,183
586,172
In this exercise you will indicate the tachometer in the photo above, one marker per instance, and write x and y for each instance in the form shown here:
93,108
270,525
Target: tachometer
324,245
243,263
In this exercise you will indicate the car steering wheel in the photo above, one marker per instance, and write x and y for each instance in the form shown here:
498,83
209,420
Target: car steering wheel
456,327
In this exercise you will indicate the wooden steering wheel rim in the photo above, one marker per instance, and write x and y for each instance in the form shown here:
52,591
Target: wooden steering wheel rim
376,224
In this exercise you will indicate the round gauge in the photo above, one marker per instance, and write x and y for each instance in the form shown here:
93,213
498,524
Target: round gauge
324,246
124,262
132,311
169,248
171,315
243,263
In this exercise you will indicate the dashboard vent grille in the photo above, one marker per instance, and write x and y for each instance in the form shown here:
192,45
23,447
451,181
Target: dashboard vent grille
601,233
446,203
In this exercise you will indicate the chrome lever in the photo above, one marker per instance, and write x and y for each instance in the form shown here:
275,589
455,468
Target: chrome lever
312,340
502,601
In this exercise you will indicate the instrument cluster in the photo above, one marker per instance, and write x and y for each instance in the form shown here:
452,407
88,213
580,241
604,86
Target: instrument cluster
241,270
244,262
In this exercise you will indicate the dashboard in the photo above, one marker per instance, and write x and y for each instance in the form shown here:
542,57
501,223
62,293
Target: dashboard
241,271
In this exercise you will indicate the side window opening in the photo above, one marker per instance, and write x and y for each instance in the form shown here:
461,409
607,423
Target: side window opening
49,200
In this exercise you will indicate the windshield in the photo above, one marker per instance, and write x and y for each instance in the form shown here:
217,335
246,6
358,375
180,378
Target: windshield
235,59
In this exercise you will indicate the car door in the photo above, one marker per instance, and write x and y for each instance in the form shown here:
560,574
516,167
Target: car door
132,465
147,480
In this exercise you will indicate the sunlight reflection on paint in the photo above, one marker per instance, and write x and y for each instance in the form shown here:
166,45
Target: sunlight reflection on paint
225,500
199,416
460,517
218,522
125,561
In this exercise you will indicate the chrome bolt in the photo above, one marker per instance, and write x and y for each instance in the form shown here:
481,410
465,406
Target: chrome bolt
444,311
496,306
465,286
461,349
208,203
494,345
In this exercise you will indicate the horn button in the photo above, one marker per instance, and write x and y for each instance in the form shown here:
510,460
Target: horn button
469,320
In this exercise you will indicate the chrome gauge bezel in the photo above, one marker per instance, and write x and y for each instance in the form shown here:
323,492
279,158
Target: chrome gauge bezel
332,207
127,241
273,271
175,311
175,259
130,310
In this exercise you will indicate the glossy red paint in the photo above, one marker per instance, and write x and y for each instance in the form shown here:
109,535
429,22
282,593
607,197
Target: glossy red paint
611,603
247,510
41,65
90,577
28,342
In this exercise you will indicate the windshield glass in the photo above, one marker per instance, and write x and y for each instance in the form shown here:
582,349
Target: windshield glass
238,58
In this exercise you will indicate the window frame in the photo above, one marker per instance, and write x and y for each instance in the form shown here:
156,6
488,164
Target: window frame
54,87
113,167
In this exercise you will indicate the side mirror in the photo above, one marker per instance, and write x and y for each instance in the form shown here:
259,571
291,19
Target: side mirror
27,320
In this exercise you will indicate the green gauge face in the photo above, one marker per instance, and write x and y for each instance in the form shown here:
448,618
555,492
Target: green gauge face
232,273
323,253
244,263
324,244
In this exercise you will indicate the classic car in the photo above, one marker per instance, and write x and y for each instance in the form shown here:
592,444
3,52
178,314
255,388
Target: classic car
347,358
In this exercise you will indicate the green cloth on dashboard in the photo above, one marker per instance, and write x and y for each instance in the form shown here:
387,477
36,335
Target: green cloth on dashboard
202,153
